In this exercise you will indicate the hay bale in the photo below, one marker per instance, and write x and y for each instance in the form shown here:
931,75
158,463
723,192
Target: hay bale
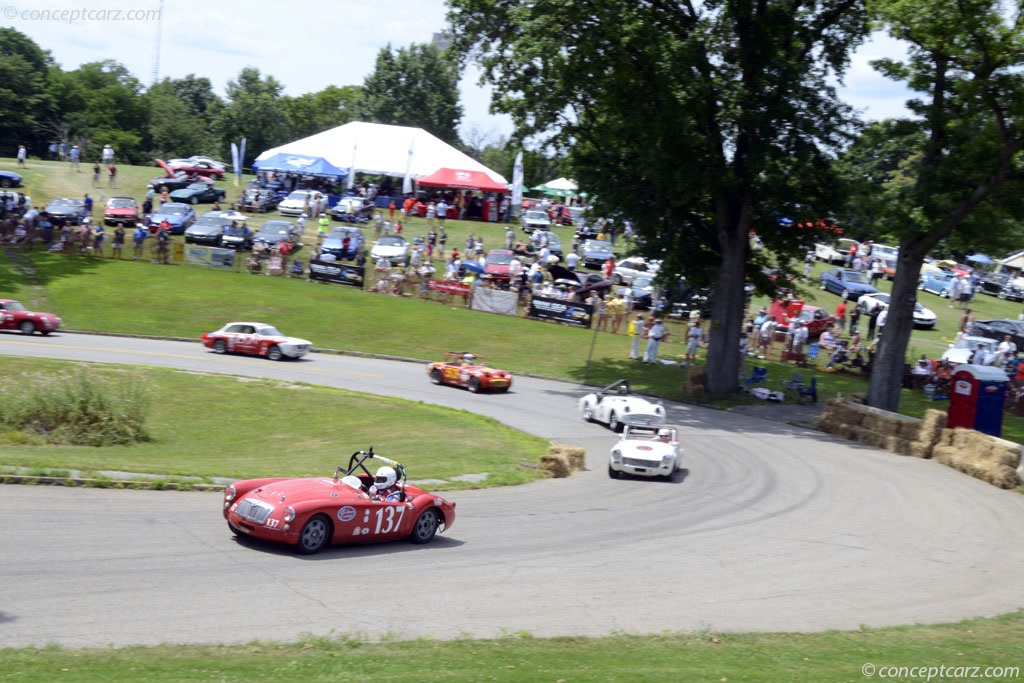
895,444
920,449
557,465
984,461
909,430
575,456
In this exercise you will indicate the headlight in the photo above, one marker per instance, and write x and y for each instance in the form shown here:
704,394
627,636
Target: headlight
288,515
616,455
229,495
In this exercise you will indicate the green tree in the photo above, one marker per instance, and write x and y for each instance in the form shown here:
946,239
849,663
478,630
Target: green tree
700,122
254,111
415,86
24,100
176,128
313,113
962,167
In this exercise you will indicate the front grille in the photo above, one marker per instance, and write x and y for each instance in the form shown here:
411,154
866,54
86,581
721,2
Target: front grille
253,510
635,462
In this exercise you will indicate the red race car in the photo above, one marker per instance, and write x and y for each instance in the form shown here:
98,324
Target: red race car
353,506
255,339
464,370
14,316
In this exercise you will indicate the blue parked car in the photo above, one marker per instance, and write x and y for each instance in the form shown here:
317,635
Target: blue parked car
847,283
937,282
180,216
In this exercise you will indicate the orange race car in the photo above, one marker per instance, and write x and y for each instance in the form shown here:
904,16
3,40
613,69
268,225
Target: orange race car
465,370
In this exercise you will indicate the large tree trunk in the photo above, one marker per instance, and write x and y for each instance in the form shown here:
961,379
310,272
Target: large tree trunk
727,311
887,370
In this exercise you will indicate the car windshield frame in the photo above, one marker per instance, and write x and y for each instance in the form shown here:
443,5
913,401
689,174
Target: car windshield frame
392,241
852,276
168,210
116,203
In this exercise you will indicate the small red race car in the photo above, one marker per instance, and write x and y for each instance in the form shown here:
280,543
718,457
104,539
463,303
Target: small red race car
353,506
464,370
14,316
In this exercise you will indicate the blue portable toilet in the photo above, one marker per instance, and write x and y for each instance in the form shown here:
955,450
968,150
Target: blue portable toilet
976,398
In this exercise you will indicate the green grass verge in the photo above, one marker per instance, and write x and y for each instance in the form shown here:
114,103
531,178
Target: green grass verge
703,656
214,426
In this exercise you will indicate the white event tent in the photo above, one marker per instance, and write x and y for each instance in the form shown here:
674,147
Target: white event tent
379,149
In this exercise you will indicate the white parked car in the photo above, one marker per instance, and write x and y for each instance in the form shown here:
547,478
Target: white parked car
835,252
296,202
629,269
646,448
961,351
394,248
612,404
923,317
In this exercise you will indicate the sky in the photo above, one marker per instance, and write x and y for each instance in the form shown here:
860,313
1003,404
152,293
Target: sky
305,44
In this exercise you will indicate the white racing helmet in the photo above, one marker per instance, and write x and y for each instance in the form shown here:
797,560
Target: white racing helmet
665,434
385,479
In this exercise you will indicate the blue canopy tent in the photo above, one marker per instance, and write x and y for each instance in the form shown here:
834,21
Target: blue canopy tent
299,163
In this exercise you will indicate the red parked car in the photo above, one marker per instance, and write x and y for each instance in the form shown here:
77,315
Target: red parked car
497,263
14,316
312,512
463,370
121,211
816,319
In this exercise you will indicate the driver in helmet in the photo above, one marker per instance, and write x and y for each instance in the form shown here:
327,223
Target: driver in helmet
623,390
468,359
665,435
385,485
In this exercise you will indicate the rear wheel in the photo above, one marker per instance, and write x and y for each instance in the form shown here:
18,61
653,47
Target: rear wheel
274,353
314,535
435,376
27,327
822,285
845,294
193,200
474,385
426,527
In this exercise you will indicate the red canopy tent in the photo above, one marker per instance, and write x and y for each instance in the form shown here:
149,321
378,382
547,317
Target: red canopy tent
461,180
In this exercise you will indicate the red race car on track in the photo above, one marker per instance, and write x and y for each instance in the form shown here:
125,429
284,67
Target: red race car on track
313,512
255,339
14,316
463,370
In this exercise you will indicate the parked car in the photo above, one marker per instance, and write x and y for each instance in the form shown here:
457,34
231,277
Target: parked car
785,311
202,168
180,216
276,232
463,369
352,208
646,448
961,269
574,215
633,267
65,209
937,282
237,235
834,252
178,182
311,202
121,211
209,228
594,253
197,193
311,513
394,248
612,404
997,329
336,245
554,242
535,220
255,339
960,351
849,284
260,200
14,316
1002,285
923,317
10,179
496,263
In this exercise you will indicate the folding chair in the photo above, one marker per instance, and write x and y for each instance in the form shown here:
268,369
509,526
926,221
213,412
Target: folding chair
810,392
757,375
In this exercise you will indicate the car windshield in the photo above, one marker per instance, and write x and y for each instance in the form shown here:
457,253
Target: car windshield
972,344
536,216
854,276
197,186
268,331
209,220
122,203
391,241
597,245
62,203
499,259
169,210
274,229
14,306
299,195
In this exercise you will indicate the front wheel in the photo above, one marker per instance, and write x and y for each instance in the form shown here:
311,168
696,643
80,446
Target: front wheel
314,535
588,413
426,527
1002,294
193,200
220,346
822,286
845,294
27,327
614,474
920,286
274,353
613,423
474,385
435,376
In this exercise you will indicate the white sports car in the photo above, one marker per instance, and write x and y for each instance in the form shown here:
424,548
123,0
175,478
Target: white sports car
923,317
648,450
613,403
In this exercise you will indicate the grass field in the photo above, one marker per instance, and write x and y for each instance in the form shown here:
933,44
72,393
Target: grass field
142,298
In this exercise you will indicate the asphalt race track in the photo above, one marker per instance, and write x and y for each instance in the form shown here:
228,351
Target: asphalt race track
773,527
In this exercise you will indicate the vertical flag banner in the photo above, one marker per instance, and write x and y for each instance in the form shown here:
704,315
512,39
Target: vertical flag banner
517,184
407,183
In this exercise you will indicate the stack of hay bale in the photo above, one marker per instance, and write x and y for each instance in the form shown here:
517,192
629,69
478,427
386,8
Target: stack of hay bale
982,456
562,461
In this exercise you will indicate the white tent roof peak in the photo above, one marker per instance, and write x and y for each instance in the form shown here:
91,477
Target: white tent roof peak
380,149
